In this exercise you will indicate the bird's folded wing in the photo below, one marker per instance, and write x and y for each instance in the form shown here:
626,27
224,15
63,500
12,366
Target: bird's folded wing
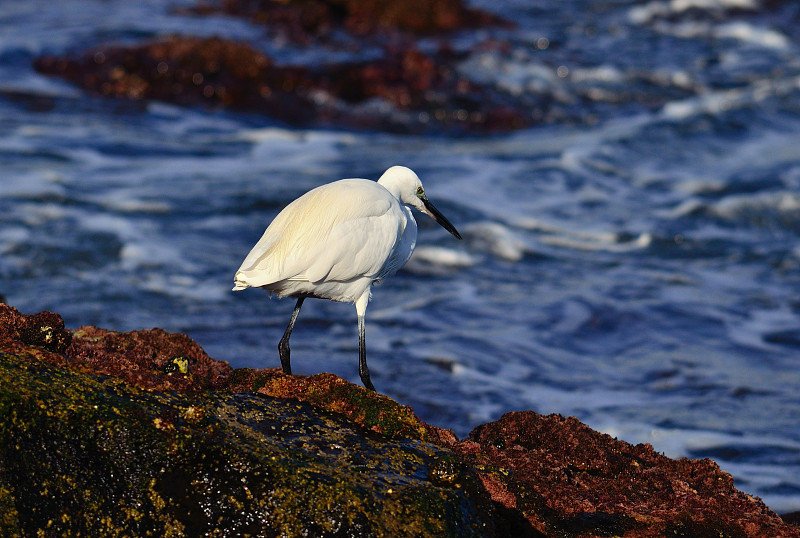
328,233
356,248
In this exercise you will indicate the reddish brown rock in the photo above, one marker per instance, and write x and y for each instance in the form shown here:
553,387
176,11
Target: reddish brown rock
304,20
371,410
189,71
151,359
423,91
546,475
45,330
427,89
567,479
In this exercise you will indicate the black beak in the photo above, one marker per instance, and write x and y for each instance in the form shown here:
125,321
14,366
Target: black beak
438,217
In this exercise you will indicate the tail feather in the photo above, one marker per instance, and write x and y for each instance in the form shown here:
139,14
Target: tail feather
238,283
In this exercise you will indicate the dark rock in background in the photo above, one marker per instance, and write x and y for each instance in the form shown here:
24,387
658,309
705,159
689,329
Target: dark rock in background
305,20
421,91
190,71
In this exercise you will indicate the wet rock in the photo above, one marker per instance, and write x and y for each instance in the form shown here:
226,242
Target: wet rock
44,330
94,456
425,92
329,392
189,71
792,518
418,91
142,433
138,357
151,359
567,479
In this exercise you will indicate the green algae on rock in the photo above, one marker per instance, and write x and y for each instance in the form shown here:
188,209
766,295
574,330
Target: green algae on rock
326,391
97,456
142,433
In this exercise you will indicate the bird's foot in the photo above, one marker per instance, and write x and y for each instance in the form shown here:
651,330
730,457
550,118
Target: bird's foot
364,374
283,351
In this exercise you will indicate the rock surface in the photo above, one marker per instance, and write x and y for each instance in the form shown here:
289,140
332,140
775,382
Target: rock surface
82,454
419,91
304,20
115,434
599,485
405,90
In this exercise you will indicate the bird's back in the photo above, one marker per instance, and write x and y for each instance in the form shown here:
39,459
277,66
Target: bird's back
339,232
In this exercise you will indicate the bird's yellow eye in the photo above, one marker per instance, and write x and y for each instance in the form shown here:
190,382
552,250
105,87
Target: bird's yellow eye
420,192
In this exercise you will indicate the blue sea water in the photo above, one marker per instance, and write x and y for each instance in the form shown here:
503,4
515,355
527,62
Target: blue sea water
636,266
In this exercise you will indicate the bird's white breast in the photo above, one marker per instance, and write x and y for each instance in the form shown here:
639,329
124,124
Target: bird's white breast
404,246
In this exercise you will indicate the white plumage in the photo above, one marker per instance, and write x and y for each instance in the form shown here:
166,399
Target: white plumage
335,241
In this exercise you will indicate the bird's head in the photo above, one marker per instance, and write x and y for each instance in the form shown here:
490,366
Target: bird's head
403,183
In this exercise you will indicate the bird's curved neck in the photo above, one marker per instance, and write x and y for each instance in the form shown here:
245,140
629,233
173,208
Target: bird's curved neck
392,186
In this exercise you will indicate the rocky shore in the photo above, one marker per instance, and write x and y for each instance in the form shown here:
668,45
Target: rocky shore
404,88
105,433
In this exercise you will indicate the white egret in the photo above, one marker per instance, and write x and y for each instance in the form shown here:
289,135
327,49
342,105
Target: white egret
335,241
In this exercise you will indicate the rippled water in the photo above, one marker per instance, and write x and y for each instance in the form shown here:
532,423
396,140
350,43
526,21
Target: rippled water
634,262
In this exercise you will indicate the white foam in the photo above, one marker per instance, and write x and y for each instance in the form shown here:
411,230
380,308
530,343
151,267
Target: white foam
688,207
443,256
269,135
755,35
742,32
431,260
12,236
516,75
712,103
751,331
735,207
640,242
604,242
588,240
148,253
104,222
710,5
496,239
35,183
700,186
185,287
642,14
33,84
134,205
34,215
717,102
545,398
603,73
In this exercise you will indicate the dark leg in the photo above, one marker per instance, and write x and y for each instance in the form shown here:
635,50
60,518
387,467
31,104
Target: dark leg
283,345
363,371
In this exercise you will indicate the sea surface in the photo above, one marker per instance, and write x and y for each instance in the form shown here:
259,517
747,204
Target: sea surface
637,266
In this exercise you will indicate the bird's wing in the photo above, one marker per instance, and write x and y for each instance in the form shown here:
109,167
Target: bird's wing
360,246
262,266
326,233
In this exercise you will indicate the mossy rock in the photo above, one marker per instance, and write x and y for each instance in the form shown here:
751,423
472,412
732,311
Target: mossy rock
94,456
